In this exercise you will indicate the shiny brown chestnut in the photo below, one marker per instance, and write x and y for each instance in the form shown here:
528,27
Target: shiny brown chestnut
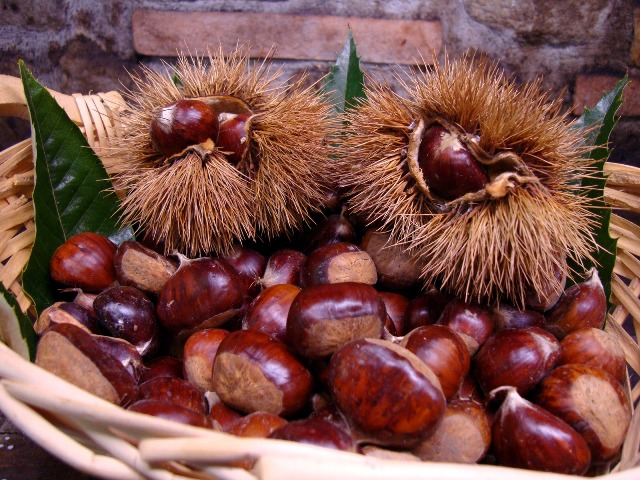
464,436
233,135
182,124
255,372
397,270
443,351
336,263
283,266
222,415
128,313
316,431
250,265
76,356
140,267
268,312
507,316
595,347
518,357
174,390
425,309
592,402
543,299
170,411
257,425
448,167
84,261
66,312
198,355
125,353
203,293
581,305
162,366
387,394
525,435
396,305
324,317
472,322
334,229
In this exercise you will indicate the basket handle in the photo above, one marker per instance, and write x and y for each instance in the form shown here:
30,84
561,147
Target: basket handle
97,115
14,104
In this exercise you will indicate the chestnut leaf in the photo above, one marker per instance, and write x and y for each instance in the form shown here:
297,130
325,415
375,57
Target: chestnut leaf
599,122
72,192
345,83
16,329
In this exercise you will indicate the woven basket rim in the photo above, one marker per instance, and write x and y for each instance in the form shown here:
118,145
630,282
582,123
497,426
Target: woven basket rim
107,441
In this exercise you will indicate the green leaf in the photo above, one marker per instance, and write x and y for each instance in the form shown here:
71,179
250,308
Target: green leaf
599,122
345,82
72,192
16,329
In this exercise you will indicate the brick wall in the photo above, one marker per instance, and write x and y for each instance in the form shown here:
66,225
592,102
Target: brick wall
577,47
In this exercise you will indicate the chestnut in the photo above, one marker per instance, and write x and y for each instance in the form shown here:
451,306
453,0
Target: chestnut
128,313
222,415
425,309
140,267
443,351
316,431
170,411
472,322
519,357
256,425
125,353
66,312
269,310
163,366
581,305
335,228
397,270
387,394
182,124
592,402
507,316
283,266
255,372
85,300
448,167
173,390
336,263
595,347
464,436
323,317
84,261
233,136
198,354
76,356
525,435
396,305
250,265
543,299
203,293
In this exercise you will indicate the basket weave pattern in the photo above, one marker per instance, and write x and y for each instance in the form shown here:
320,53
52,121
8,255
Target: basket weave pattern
107,441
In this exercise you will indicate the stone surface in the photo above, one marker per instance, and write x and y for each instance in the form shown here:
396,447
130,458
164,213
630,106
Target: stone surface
635,45
84,46
590,88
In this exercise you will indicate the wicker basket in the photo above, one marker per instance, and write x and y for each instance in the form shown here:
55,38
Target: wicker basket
107,441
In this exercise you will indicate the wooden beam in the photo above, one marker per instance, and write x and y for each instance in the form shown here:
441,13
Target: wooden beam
295,37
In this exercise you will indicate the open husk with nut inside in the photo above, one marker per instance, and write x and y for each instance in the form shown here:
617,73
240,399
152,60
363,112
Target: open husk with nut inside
105,440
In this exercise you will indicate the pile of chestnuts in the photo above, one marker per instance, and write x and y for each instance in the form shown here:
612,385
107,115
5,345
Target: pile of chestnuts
335,345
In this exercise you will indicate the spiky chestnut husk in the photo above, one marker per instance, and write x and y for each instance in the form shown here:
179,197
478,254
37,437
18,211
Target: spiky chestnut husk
502,240
202,200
